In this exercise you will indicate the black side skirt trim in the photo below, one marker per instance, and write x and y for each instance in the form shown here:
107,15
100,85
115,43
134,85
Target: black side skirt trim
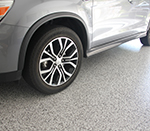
11,76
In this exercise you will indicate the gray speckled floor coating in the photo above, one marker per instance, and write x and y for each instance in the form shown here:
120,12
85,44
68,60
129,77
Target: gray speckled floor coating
111,93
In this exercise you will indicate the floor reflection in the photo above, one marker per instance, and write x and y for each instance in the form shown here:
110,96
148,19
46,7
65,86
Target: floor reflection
131,46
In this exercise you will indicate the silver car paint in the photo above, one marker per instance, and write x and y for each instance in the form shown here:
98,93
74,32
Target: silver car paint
10,39
19,23
118,19
125,20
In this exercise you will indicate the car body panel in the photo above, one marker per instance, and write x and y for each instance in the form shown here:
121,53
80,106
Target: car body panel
123,20
116,20
142,14
33,14
10,41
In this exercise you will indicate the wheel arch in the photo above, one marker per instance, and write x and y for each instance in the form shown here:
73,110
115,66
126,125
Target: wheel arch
62,19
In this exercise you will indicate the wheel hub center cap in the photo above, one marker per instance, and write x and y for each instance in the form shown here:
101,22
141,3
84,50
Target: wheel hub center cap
58,61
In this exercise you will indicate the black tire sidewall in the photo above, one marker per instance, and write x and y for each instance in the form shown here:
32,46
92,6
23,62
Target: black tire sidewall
38,49
146,40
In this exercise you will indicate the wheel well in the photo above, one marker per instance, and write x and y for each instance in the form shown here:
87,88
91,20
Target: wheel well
71,23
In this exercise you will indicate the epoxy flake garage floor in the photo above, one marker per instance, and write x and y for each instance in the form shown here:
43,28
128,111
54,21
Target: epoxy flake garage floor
111,93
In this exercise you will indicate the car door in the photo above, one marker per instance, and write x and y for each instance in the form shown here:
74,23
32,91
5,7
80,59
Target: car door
142,14
112,20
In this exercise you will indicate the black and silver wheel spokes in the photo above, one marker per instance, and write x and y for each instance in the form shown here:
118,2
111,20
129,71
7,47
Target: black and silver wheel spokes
58,61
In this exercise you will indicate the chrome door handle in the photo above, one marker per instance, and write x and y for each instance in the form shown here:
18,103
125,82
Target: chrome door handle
130,1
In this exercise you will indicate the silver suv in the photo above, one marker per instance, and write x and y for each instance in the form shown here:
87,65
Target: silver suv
44,40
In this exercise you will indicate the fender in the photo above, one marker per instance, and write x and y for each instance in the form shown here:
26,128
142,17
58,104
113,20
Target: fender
39,23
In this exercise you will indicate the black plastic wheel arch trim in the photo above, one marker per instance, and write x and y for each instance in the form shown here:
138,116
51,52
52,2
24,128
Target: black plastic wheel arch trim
38,24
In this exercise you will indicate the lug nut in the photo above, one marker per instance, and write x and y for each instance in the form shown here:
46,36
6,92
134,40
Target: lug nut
59,66
54,59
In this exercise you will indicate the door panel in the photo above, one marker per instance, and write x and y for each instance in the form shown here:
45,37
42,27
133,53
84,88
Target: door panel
112,20
142,14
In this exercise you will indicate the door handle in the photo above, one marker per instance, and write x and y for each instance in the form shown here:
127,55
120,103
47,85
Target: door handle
130,1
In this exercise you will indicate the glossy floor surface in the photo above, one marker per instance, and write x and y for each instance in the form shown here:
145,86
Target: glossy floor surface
111,93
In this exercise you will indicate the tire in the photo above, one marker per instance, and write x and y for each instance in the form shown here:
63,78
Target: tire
54,61
146,40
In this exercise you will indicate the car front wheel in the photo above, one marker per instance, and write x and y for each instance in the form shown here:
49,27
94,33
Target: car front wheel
54,61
